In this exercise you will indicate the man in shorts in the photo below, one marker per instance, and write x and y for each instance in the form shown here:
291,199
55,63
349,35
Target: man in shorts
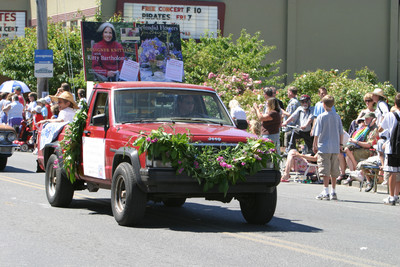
328,138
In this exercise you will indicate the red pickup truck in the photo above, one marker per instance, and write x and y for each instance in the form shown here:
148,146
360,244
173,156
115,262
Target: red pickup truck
117,113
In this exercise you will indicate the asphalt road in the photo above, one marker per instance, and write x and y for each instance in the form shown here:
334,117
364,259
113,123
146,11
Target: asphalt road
356,230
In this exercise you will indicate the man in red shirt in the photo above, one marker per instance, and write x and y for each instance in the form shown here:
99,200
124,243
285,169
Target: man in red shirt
17,90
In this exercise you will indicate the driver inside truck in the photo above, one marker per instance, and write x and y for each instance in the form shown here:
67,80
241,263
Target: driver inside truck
185,106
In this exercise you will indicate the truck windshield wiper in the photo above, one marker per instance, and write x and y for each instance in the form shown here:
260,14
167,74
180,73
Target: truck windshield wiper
138,121
196,120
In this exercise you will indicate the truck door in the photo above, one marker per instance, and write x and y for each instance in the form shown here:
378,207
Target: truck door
93,140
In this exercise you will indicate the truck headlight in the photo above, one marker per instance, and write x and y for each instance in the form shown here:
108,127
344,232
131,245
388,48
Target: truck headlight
2,137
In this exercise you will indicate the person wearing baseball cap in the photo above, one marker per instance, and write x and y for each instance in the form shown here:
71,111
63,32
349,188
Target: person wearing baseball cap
67,106
18,91
304,115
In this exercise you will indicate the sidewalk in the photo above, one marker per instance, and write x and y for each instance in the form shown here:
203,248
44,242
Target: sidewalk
356,184
379,188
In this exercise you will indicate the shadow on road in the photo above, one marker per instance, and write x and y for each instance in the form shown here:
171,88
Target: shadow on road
195,217
19,170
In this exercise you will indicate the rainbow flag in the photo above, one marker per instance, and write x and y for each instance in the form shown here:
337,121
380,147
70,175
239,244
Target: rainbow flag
361,134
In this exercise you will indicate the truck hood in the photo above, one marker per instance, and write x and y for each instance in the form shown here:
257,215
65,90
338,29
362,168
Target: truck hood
200,132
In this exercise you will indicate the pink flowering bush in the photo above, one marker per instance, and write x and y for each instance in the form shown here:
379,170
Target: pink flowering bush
231,86
209,165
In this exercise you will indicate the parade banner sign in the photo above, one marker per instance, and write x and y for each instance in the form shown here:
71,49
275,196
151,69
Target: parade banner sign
194,18
158,44
106,46
12,24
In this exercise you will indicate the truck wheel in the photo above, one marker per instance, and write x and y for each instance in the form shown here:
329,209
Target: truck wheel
174,202
3,162
24,147
59,189
128,201
259,208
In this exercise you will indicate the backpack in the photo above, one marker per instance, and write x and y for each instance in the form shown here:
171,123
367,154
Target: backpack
395,138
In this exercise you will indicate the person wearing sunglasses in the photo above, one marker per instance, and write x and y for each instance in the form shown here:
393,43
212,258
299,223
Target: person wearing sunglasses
369,102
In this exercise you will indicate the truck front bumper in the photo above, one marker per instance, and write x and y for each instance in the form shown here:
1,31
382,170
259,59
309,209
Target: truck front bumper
7,150
165,180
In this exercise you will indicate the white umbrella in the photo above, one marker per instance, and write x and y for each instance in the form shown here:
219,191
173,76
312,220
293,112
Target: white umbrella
8,86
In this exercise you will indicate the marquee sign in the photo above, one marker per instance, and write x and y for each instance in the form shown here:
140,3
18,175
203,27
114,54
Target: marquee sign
12,24
194,18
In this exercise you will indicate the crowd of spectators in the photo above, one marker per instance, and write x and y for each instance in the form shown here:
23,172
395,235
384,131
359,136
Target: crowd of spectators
339,153
30,112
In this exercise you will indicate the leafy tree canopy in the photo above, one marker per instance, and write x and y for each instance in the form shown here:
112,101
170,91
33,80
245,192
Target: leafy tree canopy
17,57
221,55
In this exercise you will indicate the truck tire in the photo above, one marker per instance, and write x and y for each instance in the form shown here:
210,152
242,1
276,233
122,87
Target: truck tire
174,202
259,208
59,189
128,201
3,162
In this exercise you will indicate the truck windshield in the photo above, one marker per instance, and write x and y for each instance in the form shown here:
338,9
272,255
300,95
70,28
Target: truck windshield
134,105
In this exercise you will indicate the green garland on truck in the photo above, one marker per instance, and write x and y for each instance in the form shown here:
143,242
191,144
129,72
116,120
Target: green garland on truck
72,142
209,165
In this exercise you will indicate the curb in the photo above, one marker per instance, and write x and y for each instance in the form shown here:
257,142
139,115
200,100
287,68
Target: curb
380,188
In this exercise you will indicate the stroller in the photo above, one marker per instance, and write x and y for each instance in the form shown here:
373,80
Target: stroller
24,140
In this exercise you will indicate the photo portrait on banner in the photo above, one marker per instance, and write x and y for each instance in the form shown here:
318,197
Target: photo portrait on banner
107,46
159,43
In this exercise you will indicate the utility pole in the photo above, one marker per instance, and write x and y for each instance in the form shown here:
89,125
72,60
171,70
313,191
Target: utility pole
41,13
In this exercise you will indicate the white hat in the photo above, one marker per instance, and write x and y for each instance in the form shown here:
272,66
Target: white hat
38,109
379,92
48,99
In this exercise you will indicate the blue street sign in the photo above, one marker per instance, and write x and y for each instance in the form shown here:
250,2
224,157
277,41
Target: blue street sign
43,56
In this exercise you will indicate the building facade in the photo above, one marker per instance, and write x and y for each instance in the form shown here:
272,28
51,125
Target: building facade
308,34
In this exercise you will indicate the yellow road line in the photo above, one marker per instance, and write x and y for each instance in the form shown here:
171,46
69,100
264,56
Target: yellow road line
21,182
41,187
321,252
300,250
271,241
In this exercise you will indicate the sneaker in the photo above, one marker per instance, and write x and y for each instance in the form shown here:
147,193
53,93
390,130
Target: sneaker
333,196
285,180
396,199
370,185
389,201
348,181
35,152
322,196
359,176
384,183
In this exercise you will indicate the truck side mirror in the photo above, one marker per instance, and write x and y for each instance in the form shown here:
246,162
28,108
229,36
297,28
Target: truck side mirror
99,120
241,124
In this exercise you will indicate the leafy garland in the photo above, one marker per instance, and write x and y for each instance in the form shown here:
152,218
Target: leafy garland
72,142
209,165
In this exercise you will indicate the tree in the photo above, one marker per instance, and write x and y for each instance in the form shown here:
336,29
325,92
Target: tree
222,56
17,57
